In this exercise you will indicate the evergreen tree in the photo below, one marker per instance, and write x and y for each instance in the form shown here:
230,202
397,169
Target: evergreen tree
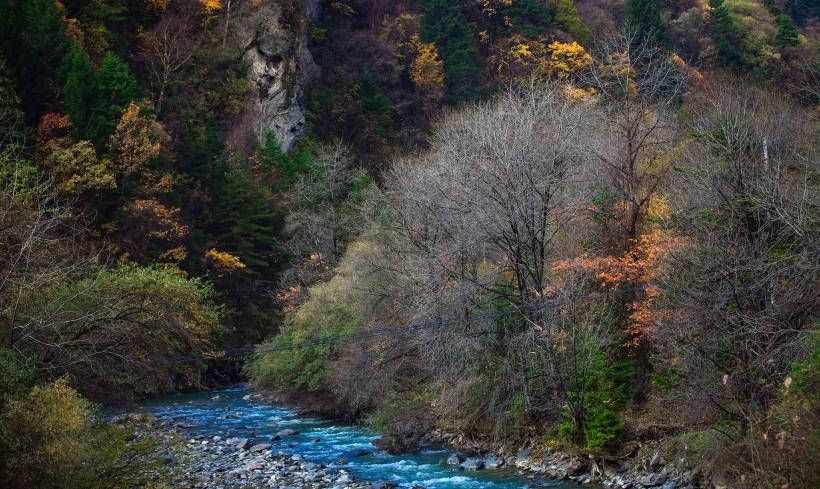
246,222
727,35
566,16
33,51
113,89
78,75
11,117
643,17
786,33
443,23
375,105
529,17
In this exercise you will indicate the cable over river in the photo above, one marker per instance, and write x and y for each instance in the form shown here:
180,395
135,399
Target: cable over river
237,419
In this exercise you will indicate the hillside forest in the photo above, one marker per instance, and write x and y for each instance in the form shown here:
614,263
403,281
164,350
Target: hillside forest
608,211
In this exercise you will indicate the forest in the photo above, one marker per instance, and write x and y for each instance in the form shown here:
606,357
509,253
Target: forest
590,226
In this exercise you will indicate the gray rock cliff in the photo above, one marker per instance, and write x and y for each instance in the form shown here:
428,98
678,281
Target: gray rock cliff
273,37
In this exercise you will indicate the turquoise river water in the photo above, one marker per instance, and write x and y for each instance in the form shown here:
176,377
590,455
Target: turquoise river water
227,414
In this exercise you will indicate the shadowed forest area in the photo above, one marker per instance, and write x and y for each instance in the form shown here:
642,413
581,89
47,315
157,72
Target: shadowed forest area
612,208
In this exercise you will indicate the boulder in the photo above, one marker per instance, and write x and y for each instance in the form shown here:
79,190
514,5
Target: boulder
285,432
260,447
523,458
472,463
493,462
454,459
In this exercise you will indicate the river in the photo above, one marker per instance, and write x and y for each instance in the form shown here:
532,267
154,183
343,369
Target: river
229,413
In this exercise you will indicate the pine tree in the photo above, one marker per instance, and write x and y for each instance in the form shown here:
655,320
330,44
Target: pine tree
11,117
442,23
246,222
112,90
786,33
728,36
566,16
33,41
78,75
643,17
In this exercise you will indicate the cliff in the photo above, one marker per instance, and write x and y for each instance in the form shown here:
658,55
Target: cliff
273,37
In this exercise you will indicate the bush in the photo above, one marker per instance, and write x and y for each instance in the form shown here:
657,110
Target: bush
135,331
605,396
335,307
52,439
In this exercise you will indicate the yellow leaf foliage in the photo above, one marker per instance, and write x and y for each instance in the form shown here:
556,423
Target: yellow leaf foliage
567,58
223,261
211,6
427,70
138,139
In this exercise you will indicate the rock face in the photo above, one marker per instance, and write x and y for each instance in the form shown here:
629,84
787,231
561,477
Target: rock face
273,38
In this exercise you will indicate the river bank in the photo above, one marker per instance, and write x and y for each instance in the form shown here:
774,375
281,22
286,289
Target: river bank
232,438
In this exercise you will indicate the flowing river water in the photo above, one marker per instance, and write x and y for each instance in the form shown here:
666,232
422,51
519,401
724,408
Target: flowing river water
231,413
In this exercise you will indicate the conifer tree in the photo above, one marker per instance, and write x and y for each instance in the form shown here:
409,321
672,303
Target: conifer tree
443,23
78,75
33,42
786,33
113,89
727,35
643,17
246,222
566,16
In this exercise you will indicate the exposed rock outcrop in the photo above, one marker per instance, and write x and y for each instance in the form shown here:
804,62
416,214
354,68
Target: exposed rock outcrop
273,38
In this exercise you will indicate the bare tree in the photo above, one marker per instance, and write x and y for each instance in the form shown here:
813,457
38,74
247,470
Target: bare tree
322,218
166,49
639,87
749,282
477,221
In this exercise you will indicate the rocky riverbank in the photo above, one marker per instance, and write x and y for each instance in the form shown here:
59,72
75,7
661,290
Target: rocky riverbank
629,473
231,463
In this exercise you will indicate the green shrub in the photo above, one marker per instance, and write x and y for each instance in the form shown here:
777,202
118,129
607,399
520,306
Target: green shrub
335,307
605,395
130,326
53,439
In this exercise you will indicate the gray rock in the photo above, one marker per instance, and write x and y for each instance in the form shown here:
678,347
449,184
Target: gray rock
260,447
656,459
454,459
280,65
493,462
286,432
472,463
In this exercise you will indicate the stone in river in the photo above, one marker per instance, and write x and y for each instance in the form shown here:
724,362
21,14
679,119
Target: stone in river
472,463
454,459
286,432
493,462
260,447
